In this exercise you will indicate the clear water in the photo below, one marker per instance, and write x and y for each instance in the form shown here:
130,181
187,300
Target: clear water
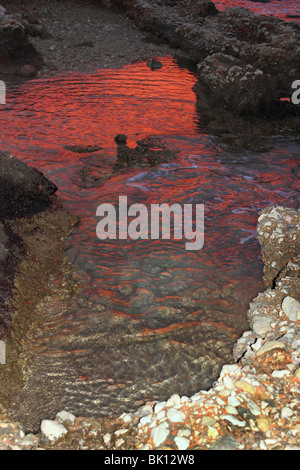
151,319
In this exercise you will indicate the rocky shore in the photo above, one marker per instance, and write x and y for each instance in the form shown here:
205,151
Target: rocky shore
246,63
255,402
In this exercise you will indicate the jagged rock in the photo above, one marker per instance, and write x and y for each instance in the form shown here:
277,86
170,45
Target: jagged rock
230,84
15,48
11,254
278,232
198,8
154,64
24,190
255,43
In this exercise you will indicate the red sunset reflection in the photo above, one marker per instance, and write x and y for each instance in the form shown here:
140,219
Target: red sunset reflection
287,10
148,313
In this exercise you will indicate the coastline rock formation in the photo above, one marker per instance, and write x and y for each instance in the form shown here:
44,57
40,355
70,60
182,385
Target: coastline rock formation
33,228
24,191
16,51
246,62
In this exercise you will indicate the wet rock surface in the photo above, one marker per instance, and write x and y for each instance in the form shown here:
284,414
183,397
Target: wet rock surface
11,254
24,190
31,215
235,86
279,236
149,152
16,51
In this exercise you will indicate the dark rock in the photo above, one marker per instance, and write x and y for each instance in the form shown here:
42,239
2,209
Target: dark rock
24,190
232,85
15,47
82,148
28,71
121,139
11,253
254,42
154,64
198,8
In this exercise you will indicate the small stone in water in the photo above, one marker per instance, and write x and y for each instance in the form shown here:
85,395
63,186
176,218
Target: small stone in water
66,418
52,431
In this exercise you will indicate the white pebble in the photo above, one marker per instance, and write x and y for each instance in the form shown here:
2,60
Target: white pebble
160,433
286,412
66,418
182,442
175,416
174,400
52,431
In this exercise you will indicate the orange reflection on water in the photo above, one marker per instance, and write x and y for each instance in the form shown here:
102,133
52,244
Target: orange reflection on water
90,109
287,10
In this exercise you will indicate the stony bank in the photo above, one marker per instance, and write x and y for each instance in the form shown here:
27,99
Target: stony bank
255,402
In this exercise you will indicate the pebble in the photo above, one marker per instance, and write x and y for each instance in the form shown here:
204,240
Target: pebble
225,442
270,346
233,401
208,421
175,416
286,412
261,325
160,433
255,410
231,410
182,443
52,431
159,406
127,418
174,400
65,418
107,438
246,386
233,420
291,308
263,424
119,442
